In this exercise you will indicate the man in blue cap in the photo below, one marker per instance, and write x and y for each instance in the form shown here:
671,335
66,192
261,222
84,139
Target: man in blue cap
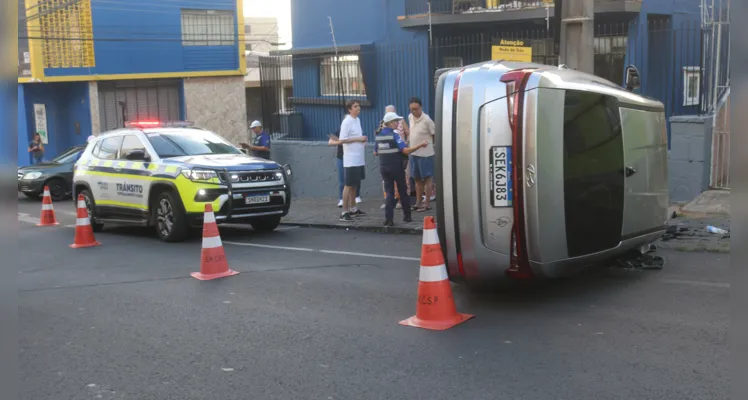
391,149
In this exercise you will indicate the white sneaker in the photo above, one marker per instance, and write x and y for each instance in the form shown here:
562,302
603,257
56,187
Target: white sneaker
358,200
383,207
340,203
399,206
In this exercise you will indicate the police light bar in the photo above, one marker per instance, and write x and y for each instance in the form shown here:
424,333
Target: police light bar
159,124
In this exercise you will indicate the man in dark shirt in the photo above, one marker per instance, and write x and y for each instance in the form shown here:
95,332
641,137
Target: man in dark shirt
390,149
261,146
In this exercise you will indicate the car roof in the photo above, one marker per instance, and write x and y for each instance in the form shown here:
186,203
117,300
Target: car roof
124,131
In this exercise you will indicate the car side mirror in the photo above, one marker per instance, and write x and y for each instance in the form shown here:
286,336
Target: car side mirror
287,169
633,79
137,155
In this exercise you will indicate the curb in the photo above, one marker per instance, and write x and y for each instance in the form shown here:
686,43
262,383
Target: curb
361,228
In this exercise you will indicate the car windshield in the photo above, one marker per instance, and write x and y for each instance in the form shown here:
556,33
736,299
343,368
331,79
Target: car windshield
189,143
68,156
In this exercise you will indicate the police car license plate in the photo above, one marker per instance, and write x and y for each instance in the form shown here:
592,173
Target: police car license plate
257,199
500,175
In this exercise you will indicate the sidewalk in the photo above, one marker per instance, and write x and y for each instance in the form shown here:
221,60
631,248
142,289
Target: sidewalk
687,232
324,213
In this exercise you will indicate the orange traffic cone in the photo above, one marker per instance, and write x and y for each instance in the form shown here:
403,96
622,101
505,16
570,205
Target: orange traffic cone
48,211
213,263
84,236
435,308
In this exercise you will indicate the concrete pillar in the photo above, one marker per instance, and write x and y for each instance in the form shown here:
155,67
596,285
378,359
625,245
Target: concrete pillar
578,35
93,104
218,104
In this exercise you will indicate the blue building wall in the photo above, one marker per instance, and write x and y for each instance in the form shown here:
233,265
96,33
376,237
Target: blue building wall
145,36
660,55
68,116
663,39
23,156
372,24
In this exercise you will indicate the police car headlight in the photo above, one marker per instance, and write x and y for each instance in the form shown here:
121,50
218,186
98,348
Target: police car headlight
199,174
32,175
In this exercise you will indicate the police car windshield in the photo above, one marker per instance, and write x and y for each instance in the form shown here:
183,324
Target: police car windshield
189,143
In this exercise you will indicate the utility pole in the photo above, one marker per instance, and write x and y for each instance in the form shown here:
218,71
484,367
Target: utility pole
578,34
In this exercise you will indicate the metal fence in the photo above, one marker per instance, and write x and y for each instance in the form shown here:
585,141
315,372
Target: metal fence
419,7
670,58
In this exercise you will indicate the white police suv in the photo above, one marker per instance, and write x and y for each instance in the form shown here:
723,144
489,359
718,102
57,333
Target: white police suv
163,174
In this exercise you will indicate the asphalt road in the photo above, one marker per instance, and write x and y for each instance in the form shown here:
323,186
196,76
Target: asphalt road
317,318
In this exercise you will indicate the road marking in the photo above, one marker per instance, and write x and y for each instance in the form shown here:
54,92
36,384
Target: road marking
23,217
719,285
336,252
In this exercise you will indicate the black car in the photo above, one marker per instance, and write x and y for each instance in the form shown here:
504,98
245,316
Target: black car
57,174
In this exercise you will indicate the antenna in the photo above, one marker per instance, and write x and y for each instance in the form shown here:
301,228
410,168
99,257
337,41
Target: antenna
431,36
336,63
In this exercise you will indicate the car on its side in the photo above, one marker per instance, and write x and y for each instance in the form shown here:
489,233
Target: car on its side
56,174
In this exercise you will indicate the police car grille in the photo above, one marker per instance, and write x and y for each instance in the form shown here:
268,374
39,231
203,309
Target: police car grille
251,177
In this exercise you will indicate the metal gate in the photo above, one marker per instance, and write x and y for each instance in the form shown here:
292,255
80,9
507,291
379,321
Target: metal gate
131,100
720,168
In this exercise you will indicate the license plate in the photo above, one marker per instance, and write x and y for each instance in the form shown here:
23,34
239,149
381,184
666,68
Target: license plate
257,199
500,175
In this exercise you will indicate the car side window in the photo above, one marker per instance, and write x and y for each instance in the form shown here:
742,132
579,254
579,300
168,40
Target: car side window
131,143
109,148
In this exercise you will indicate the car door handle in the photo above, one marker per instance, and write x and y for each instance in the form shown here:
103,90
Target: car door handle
628,171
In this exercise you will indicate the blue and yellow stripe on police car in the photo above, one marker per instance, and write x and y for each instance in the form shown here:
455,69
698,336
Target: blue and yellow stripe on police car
153,173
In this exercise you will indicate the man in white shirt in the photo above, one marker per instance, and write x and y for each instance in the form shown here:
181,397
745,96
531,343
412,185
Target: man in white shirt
422,129
354,159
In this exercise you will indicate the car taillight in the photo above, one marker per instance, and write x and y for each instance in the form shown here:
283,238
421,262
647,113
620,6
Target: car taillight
455,95
516,81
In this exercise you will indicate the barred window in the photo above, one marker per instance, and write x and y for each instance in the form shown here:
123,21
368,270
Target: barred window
691,86
341,76
208,28
68,33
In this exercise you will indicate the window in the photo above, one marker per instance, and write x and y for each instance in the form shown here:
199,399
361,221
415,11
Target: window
109,148
691,86
68,156
68,32
208,28
452,62
130,143
341,76
590,122
593,160
189,143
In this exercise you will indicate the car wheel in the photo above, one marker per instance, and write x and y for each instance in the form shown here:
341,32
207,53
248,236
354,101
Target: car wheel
57,189
171,220
91,208
266,224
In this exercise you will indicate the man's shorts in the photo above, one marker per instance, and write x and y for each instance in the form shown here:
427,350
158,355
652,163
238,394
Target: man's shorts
354,175
421,167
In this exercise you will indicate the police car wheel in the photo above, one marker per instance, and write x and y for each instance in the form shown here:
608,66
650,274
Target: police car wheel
90,206
171,221
265,224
